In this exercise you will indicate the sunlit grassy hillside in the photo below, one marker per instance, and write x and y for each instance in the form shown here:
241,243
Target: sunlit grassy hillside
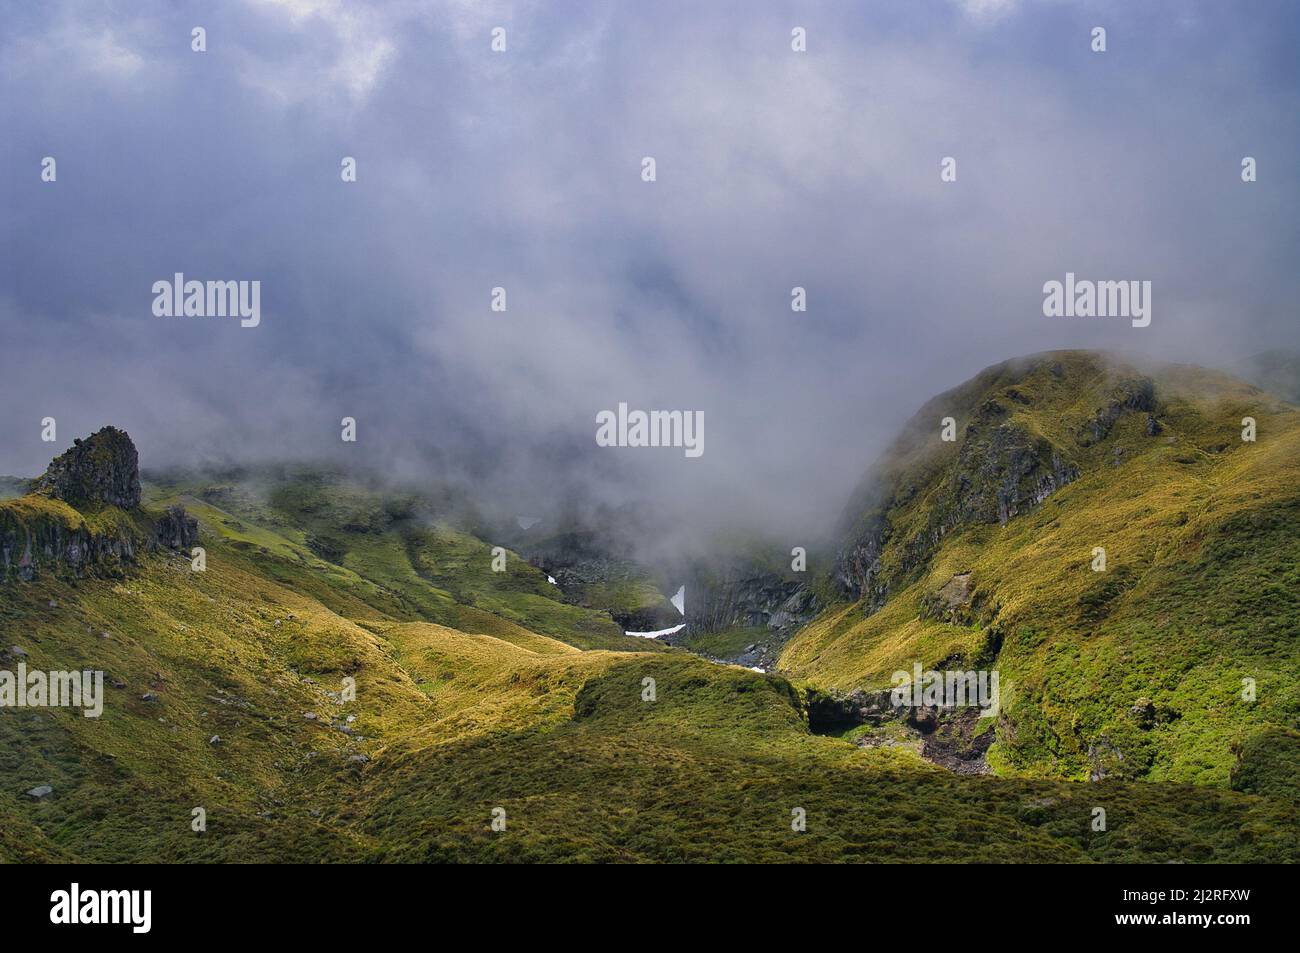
1148,657
483,696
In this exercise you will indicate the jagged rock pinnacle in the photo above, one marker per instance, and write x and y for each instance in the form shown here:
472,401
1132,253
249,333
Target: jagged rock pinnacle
103,468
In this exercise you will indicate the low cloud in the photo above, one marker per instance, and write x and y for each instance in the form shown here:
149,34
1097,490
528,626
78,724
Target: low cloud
521,170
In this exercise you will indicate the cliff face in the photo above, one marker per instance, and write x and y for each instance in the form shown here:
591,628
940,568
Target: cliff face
748,596
742,606
39,536
84,517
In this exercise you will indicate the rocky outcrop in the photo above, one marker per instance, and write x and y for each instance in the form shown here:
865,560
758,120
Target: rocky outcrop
858,570
1135,394
830,712
104,468
1001,471
954,601
1001,467
956,738
799,609
46,532
176,529
1146,714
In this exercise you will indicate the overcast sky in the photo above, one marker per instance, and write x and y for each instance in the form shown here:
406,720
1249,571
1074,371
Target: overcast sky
522,169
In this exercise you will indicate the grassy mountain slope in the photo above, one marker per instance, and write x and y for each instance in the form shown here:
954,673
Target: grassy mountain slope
456,724
1136,670
392,551
474,691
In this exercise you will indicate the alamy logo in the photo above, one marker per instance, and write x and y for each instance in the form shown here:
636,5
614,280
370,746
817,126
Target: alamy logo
1098,299
103,906
655,428
949,689
37,689
208,299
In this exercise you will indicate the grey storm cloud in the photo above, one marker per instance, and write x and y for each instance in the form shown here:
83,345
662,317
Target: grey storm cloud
521,169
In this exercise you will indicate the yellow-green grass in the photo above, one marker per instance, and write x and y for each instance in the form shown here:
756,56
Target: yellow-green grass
519,592
1201,588
478,690
208,646
728,643
393,556
457,723
712,770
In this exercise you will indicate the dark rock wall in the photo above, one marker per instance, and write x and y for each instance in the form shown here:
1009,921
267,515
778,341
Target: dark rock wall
103,468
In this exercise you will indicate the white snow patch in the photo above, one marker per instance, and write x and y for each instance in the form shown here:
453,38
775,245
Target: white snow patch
655,635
